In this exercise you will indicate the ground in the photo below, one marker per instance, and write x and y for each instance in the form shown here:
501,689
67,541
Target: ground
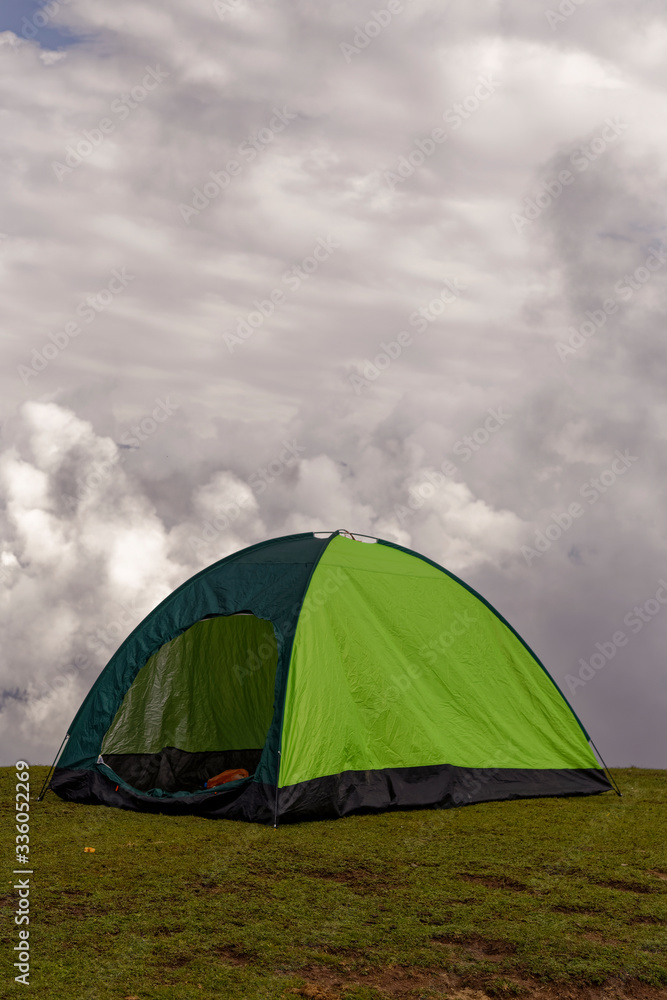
550,898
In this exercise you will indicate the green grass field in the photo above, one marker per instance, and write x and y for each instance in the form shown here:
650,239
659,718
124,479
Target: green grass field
549,898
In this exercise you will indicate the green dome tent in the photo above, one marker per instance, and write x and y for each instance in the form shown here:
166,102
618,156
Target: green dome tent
344,675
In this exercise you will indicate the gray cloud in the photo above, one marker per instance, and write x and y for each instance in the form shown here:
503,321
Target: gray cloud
95,533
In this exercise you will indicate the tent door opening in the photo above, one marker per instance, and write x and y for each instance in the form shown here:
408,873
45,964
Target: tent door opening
201,704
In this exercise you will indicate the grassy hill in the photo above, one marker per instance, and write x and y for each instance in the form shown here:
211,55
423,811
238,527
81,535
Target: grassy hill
550,898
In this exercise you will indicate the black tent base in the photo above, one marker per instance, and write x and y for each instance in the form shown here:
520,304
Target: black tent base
438,787
246,800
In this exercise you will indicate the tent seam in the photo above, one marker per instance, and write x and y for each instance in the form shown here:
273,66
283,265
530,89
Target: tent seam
291,647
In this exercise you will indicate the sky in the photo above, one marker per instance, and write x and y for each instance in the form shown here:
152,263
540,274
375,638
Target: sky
394,267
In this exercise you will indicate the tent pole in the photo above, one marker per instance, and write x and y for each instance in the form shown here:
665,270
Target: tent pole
51,769
609,774
275,809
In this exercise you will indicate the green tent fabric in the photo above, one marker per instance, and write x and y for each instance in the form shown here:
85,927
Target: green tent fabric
344,674
178,698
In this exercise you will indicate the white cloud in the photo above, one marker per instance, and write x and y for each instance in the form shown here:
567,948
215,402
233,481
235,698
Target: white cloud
88,524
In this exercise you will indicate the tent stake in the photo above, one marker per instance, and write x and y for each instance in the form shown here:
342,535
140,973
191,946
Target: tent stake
51,769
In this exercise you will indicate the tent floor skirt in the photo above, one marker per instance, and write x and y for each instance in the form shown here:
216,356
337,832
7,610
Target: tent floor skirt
246,800
438,787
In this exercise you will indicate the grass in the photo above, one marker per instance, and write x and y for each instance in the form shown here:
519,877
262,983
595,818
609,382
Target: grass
497,899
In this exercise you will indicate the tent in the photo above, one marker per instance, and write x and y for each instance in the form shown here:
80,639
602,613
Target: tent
345,674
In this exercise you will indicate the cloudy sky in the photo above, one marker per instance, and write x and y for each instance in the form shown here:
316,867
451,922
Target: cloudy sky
275,266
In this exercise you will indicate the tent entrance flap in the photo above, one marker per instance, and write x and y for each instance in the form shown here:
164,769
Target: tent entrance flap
201,704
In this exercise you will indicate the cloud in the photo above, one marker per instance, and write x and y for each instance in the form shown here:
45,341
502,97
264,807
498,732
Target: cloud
86,554
102,498
81,546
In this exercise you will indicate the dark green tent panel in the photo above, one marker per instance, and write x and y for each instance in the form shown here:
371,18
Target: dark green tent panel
344,675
